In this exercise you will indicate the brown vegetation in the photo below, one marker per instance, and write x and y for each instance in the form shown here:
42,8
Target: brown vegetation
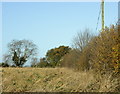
57,80
100,53
96,59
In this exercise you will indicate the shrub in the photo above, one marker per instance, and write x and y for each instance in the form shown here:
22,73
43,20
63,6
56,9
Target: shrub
78,58
70,60
104,51
4,65
101,53
53,56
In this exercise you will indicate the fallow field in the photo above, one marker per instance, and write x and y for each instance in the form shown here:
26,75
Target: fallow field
56,80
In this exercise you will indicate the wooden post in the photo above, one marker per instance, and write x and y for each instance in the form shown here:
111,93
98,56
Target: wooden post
102,6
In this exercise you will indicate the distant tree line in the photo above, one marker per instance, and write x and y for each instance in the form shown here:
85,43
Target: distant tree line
97,52
21,51
53,57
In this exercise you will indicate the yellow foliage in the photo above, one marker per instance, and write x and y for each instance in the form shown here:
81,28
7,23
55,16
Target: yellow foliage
105,53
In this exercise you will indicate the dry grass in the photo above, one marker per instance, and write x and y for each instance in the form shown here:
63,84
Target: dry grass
55,80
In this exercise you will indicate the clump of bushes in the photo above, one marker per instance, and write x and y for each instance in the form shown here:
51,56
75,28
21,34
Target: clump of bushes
43,63
78,58
104,50
53,57
99,52
4,64
70,60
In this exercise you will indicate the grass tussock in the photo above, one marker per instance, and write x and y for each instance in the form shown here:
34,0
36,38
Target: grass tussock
57,80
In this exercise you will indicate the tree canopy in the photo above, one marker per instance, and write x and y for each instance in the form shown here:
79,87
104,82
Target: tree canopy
54,55
20,51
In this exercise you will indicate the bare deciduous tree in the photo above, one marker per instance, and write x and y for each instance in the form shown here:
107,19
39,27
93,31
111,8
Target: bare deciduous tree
20,51
82,39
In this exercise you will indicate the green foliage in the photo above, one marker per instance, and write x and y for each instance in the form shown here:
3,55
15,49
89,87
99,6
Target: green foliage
15,58
4,65
54,56
43,63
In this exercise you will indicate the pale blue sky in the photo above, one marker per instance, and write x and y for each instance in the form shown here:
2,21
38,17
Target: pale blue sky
119,11
52,24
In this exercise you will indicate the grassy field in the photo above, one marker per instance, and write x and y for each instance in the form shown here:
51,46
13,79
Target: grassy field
56,80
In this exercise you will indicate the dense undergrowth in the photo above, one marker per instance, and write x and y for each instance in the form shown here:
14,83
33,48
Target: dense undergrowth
101,53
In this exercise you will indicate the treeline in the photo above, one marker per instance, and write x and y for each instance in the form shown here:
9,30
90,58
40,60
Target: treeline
53,57
100,53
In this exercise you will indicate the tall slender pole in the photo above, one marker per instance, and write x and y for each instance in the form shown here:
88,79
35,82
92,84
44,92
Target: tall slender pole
102,5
